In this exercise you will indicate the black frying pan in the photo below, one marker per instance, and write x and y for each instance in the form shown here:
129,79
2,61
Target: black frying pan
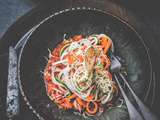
86,21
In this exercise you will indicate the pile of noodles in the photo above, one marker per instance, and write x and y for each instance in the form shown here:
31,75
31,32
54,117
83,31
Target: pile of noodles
77,75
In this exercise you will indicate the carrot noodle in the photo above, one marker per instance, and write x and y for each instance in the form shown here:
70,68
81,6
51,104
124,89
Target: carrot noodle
77,74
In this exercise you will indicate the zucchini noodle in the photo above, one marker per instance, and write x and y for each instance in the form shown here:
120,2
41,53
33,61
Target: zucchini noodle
77,74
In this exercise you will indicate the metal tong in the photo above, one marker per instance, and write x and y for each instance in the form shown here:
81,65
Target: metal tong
144,112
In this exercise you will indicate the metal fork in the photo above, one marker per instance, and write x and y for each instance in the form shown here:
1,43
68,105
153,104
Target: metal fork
146,113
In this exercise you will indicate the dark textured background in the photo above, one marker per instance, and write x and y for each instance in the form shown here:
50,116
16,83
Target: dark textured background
147,12
11,10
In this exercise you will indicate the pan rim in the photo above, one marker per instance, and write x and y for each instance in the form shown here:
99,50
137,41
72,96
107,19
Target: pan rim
70,10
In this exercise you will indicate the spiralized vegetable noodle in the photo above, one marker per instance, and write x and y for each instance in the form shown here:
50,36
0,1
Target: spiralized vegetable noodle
77,74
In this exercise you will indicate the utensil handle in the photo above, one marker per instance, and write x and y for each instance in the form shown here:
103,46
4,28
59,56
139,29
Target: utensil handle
146,112
133,113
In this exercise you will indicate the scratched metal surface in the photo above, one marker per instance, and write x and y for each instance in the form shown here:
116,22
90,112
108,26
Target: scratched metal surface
11,10
12,101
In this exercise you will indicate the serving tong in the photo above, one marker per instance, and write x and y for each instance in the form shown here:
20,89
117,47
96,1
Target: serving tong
144,112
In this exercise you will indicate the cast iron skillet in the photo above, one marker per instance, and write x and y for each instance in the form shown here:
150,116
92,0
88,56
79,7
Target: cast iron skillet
86,21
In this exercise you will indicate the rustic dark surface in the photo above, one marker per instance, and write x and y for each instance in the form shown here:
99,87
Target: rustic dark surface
10,10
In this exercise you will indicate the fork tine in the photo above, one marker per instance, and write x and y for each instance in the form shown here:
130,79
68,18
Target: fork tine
133,113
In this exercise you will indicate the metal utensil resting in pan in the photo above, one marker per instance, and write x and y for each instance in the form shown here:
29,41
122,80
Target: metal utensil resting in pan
86,21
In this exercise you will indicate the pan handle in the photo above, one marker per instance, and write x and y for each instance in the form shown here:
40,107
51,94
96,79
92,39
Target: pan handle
12,100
